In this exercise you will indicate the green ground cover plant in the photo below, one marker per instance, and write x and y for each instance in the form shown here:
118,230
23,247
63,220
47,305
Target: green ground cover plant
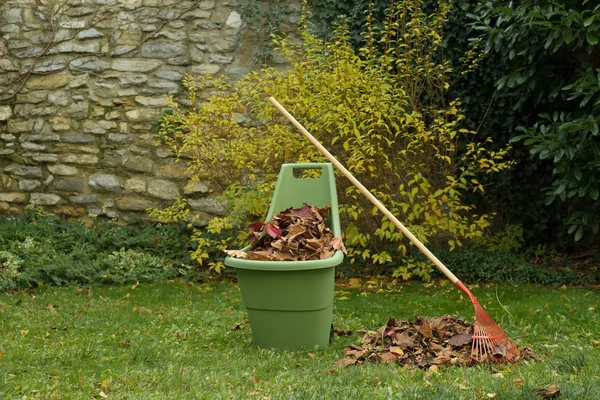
191,341
44,250
38,249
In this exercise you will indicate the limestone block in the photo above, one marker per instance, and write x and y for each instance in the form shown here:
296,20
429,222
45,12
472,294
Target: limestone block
5,113
135,204
205,69
33,97
163,49
113,115
19,126
177,24
89,64
78,109
7,66
123,49
48,82
135,65
76,148
42,157
223,43
13,16
44,199
208,25
24,171
105,183
163,152
164,86
33,146
143,114
176,36
207,4
120,138
77,138
152,101
81,159
138,163
196,14
60,123
163,189
91,33
93,127
49,66
208,205
84,199
39,138
28,185
13,197
61,169
174,76
234,20
132,79
58,98
173,171
135,185
196,187
70,184
7,137
73,24
219,59
111,161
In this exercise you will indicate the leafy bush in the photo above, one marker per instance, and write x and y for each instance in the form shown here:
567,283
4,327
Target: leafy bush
553,58
385,115
45,250
476,265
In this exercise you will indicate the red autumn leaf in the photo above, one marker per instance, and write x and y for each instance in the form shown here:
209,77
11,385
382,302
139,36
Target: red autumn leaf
305,211
273,230
256,226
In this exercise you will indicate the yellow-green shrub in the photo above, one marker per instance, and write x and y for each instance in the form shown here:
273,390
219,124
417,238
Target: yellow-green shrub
384,115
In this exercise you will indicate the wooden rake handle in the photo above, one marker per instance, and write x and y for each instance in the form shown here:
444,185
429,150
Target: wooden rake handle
368,194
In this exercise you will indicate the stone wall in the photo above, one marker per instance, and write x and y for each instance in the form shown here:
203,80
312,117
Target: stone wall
81,84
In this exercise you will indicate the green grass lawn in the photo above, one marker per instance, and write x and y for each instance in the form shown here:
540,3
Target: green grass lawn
174,341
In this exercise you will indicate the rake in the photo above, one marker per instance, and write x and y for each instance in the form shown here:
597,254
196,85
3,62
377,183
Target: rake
489,342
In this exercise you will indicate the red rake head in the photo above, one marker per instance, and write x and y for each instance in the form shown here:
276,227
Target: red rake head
490,343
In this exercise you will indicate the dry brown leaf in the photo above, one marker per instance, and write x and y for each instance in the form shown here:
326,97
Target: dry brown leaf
551,392
293,235
423,343
461,339
345,362
425,330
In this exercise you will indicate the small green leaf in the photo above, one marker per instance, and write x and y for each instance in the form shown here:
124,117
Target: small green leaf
589,21
579,233
592,38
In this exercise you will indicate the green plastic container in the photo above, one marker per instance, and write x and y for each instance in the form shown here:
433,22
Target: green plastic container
290,303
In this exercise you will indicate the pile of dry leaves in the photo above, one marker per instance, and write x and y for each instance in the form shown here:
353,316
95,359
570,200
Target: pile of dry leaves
295,234
424,343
